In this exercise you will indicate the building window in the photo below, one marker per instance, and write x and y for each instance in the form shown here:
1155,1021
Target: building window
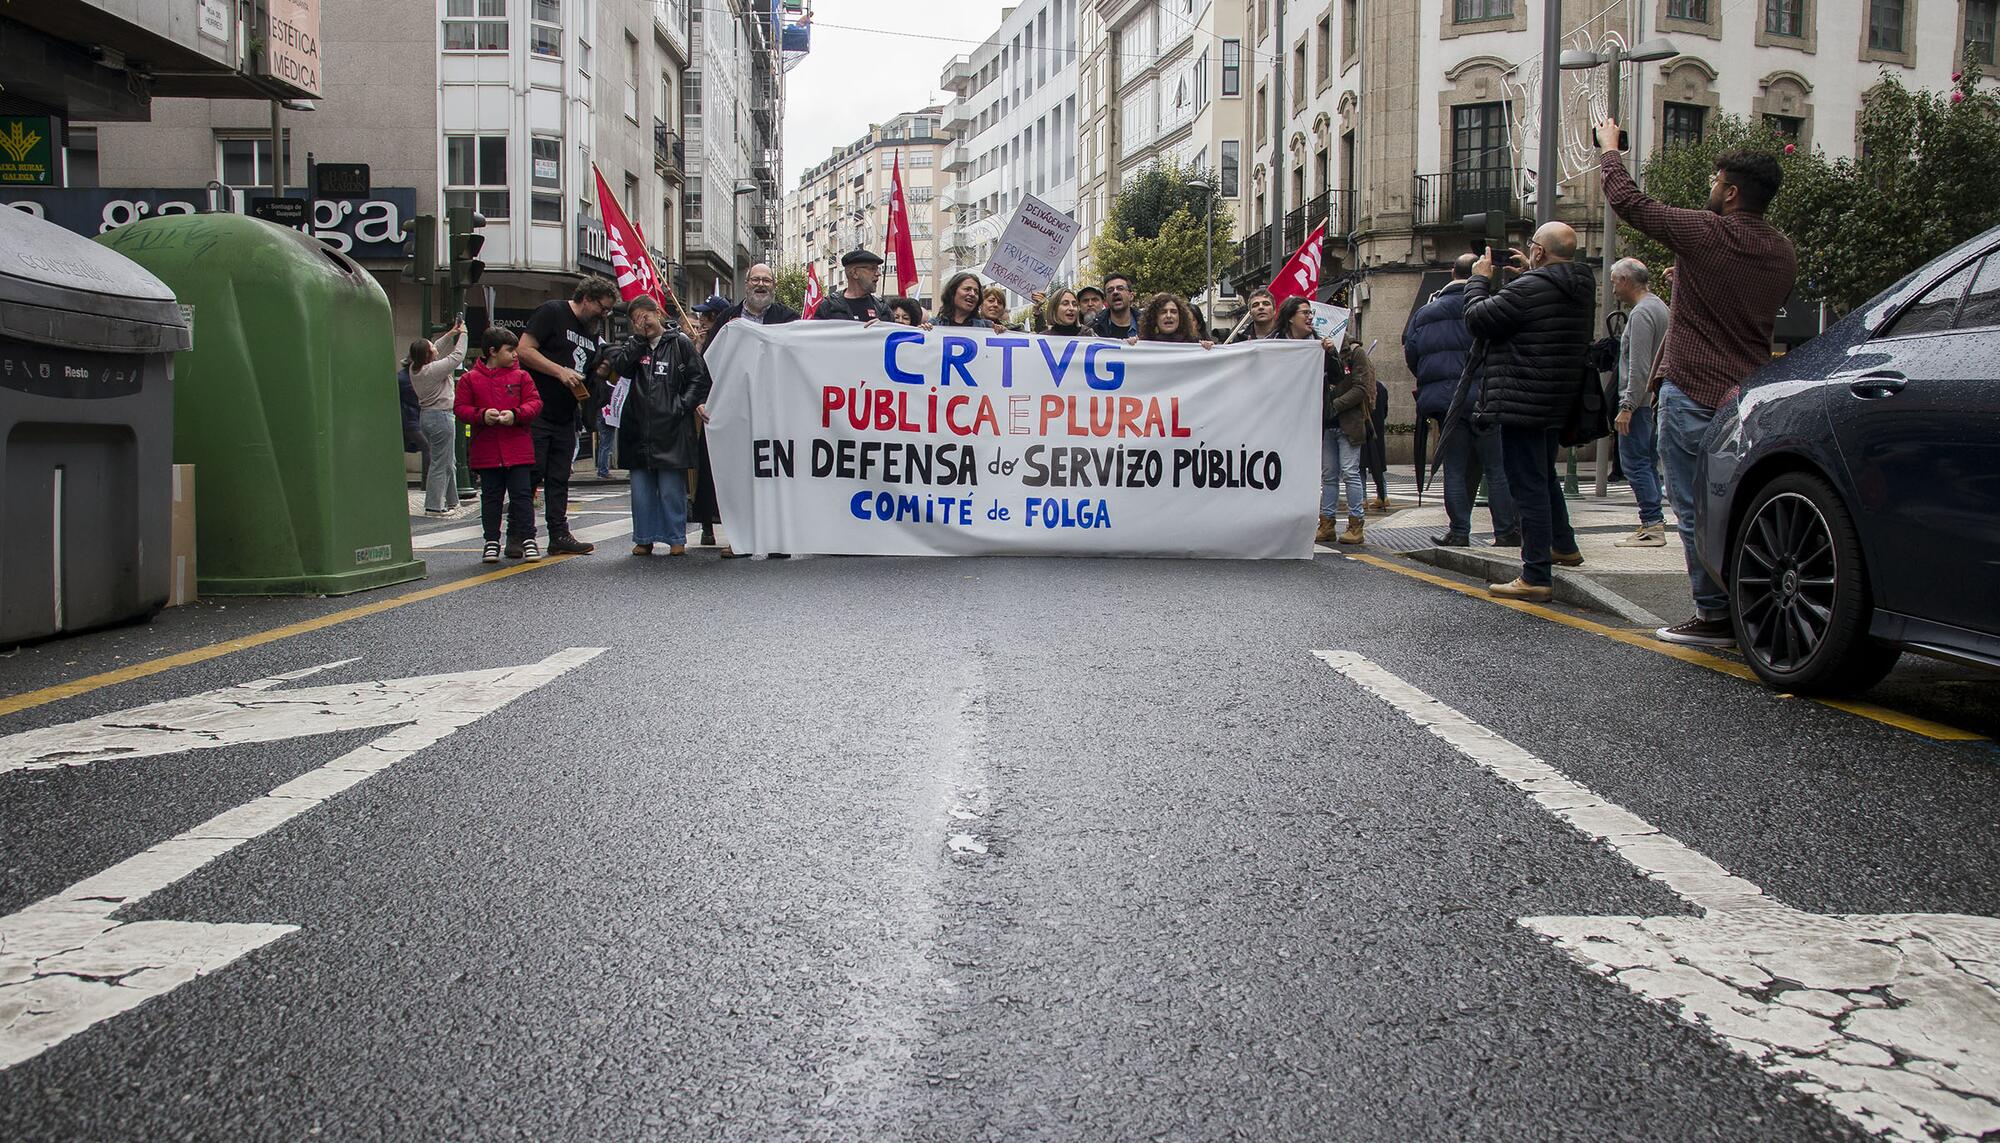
1785,17
1982,24
1473,11
1323,66
1694,10
475,25
545,180
1263,116
1350,29
1232,67
545,36
631,77
1482,173
1322,171
1885,26
1786,126
475,174
1232,168
1681,125
246,163
922,159
1299,76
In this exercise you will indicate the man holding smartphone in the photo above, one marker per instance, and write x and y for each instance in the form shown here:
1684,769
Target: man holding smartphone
556,348
1732,271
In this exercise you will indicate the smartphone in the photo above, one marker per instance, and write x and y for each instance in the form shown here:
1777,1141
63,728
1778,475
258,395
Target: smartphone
1624,139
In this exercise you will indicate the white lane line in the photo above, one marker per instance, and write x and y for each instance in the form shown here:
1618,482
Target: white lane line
65,962
1893,1020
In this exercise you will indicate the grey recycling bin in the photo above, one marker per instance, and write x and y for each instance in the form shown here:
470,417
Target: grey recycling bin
87,340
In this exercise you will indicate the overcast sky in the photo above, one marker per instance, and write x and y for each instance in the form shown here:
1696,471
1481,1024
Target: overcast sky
854,78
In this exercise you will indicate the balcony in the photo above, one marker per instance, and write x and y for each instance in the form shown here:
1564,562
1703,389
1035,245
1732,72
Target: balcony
958,76
669,153
957,118
957,158
764,103
1444,200
763,215
1254,265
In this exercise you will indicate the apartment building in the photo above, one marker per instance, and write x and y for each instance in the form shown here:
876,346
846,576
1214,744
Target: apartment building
1161,81
1014,115
843,201
732,109
1394,118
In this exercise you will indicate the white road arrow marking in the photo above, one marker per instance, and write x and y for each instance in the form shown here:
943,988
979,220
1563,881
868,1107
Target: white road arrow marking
1893,1020
66,964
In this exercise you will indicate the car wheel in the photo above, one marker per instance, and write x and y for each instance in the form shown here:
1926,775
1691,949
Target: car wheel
1799,592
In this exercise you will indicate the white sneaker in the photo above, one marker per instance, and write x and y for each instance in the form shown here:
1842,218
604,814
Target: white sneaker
1647,536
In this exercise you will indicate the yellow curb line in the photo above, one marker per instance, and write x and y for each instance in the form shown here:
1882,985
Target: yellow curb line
1644,640
30,699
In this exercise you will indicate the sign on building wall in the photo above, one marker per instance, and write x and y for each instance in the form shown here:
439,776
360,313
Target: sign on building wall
27,150
291,45
367,229
214,20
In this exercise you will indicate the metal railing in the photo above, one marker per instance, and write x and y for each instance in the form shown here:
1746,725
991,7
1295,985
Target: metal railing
669,152
1443,200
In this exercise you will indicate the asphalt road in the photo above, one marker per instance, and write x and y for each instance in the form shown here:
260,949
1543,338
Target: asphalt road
971,849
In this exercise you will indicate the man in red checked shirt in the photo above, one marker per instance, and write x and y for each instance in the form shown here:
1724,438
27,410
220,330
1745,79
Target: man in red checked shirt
1732,270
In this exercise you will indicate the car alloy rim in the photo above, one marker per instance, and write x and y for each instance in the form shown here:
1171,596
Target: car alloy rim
1785,579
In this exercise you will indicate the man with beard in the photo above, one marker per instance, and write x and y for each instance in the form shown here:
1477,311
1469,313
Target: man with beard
857,301
557,348
1732,270
760,304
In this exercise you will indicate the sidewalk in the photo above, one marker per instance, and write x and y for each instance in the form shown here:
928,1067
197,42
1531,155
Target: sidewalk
1646,587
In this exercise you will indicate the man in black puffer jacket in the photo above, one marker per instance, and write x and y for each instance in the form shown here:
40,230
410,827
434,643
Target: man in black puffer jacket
1533,336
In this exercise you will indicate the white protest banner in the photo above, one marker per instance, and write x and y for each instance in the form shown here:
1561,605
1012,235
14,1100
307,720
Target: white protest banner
614,409
828,437
1031,247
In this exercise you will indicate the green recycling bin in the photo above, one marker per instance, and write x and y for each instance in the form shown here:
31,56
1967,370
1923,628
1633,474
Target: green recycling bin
285,406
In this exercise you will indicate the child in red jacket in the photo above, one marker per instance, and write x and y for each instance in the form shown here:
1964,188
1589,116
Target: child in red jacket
498,399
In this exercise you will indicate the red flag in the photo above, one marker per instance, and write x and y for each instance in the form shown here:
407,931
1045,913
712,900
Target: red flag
899,235
1300,277
813,292
629,259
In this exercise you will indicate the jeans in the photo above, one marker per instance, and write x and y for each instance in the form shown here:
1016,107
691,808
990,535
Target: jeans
1467,454
1638,452
555,452
515,483
1340,463
1530,458
607,436
1683,427
659,506
440,432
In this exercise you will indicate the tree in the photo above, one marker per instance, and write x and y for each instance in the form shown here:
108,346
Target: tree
792,286
1156,232
1921,185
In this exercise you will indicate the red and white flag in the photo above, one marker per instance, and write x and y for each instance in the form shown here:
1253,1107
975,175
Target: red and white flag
813,292
1300,277
899,235
629,259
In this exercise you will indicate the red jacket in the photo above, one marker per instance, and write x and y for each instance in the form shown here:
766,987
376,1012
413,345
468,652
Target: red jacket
483,388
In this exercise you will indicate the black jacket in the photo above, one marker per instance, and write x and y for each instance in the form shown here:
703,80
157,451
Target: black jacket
777,313
1435,345
657,427
1532,336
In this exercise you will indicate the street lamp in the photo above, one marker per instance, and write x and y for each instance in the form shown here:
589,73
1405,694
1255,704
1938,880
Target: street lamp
1613,56
743,187
1207,191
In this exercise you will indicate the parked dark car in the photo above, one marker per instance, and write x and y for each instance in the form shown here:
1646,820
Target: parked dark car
1850,493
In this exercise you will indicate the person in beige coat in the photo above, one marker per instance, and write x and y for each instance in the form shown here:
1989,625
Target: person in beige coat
433,368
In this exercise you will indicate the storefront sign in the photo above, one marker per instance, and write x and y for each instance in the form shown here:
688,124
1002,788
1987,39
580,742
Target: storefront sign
369,228
27,151
291,45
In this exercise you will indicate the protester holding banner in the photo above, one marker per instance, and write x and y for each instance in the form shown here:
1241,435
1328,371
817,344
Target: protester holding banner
657,439
557,347
760,304
993,307
1063,317
904,311
1263,321
1117,319
1169,318
1091,300
857,300
1343,428
960,303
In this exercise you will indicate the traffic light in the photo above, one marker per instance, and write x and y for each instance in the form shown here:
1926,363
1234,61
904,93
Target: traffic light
421,248
463,241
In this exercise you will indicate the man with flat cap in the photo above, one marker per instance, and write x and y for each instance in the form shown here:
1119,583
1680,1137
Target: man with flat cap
857,302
